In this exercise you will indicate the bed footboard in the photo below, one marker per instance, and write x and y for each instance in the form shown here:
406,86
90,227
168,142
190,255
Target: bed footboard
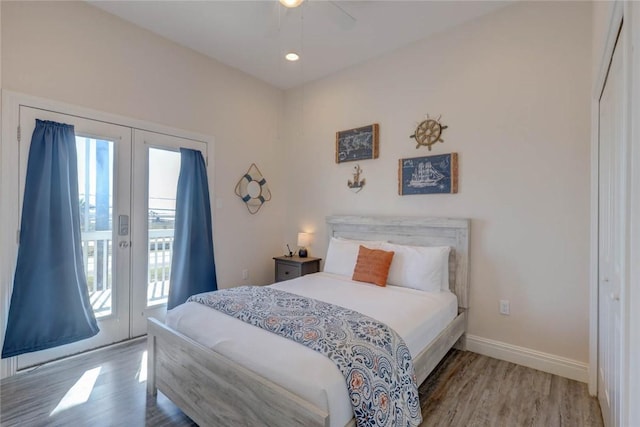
426,361
213,390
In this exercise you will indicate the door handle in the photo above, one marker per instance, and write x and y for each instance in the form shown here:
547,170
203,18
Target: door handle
123,244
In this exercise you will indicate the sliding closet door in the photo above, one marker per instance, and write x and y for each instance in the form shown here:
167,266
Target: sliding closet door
611,239
156,171
104,176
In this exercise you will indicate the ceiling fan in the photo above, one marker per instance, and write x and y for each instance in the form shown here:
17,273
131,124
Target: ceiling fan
281,10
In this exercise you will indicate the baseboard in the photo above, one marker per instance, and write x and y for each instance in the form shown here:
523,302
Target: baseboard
545,362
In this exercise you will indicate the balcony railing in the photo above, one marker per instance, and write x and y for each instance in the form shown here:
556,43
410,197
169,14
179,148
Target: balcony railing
159,256
97,248
97,251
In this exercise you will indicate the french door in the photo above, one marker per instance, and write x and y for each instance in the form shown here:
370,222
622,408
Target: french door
157,160
127,180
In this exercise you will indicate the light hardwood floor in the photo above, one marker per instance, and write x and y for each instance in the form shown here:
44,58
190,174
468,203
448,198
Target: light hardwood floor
466,389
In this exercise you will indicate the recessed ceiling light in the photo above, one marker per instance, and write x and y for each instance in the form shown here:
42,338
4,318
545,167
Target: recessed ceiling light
291,3
292,56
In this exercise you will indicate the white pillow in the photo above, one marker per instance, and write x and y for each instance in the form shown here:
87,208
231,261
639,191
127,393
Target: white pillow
444,286
419,267
343,254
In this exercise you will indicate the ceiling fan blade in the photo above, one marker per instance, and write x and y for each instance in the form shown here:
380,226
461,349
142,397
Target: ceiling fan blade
273,18
278,15
344,19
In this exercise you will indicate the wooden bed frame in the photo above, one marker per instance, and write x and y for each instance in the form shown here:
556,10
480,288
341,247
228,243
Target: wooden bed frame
214,390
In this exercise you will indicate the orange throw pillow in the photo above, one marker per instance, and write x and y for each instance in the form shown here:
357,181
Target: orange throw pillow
372,266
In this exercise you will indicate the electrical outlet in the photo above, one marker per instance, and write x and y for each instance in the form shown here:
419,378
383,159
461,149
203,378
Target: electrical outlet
504,307
245,274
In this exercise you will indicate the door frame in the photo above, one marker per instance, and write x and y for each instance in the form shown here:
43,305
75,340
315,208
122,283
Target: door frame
631,394
9,183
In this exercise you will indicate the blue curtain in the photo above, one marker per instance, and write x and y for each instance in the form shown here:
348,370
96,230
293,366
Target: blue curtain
50,300
193,268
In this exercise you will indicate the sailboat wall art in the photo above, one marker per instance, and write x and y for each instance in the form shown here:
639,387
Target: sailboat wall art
428,175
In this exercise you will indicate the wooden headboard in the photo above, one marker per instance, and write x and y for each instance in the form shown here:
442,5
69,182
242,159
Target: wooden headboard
416,231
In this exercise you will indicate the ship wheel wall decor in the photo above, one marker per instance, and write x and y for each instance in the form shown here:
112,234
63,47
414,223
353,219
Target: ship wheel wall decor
429,132
253,189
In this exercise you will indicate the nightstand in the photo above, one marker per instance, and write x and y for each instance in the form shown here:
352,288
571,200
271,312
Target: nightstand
292,267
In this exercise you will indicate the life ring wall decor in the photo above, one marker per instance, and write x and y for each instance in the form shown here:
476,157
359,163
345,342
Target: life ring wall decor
253,189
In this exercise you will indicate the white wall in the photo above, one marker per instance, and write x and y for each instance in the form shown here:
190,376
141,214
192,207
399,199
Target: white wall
76,53
514,88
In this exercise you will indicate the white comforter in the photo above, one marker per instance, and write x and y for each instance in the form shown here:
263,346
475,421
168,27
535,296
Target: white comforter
417,316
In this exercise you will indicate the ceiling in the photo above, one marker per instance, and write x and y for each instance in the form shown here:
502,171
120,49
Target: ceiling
254,36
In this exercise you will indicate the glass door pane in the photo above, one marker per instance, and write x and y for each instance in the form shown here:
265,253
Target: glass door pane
164,168
95,187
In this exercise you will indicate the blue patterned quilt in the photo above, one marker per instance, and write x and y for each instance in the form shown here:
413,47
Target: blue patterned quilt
373,358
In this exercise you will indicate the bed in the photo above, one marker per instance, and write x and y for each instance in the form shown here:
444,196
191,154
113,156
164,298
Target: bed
220,387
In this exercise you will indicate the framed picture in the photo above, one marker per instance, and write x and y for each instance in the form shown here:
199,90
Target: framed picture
428,175
357,144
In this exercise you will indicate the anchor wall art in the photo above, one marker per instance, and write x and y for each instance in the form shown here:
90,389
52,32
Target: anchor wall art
428,174
356,184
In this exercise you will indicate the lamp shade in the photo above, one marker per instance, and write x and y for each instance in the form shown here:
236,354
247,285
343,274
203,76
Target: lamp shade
304,239
291,3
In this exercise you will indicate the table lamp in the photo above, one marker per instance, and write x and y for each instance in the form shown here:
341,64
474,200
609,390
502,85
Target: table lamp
303,241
